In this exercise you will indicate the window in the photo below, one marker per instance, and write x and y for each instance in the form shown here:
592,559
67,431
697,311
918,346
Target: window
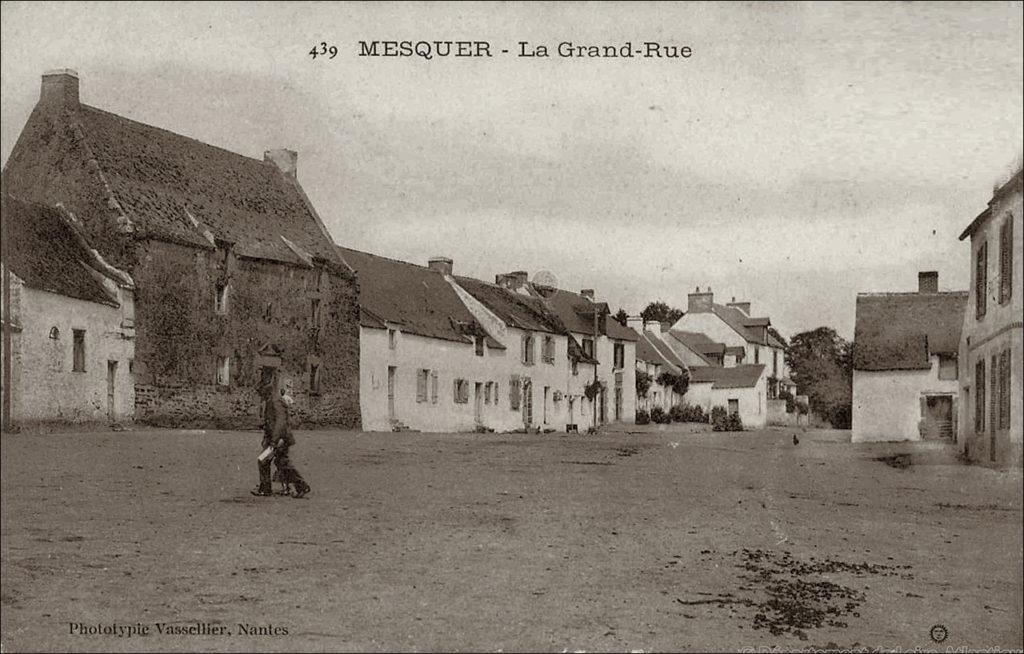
487,393
314,378
78,350
433,387
775,363
221,301
478,344
993,395
757,355
223,371
979,397
54,333
422,382
513,393
619,351
575,368
392,339
588,347
947,367
548,350
1004,389
461,391
1006,261
314,313
734,407
980,281
528,350
131,366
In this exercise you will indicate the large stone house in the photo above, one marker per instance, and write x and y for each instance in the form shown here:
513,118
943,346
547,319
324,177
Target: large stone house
905,363
237,280
68,321
992,341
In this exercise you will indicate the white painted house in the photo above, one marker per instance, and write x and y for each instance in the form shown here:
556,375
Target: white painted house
654,357
747,339
68,320
905,366
543,366
425,363
602,338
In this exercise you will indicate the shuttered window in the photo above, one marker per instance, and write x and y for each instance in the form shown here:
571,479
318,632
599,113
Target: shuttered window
513,393
433,387
993,395
979,397
1006,261
422,377
1004,389
78,350
461,391
980,280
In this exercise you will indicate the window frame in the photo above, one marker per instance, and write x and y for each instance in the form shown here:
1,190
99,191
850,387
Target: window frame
981,281
1006,261
78,350
223,371
220,298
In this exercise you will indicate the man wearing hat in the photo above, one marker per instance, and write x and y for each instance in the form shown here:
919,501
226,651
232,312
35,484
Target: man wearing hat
278,435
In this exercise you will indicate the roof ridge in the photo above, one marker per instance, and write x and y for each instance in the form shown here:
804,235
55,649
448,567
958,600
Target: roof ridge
907,293
173,133
381,256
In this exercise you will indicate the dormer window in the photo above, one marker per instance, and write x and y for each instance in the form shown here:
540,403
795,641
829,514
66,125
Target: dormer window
478,345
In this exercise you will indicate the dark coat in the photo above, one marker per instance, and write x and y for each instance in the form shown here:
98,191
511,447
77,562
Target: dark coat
275,423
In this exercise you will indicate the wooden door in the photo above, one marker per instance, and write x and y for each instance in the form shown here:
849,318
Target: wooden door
111,380
391,392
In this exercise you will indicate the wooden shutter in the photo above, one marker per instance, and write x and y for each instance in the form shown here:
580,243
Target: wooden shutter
1006,261
979,396
993,395
455,391
421,385
1004,390
980,280
433,387
513,393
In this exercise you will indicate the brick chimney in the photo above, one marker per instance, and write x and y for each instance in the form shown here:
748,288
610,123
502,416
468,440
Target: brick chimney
587,293
652,326
698,302
59,89
742,306
442,265
928,282
287,161
636,323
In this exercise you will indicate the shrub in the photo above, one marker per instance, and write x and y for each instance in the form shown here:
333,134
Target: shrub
659,416
677,413
722,420
688,413
642,417
790,401
643,383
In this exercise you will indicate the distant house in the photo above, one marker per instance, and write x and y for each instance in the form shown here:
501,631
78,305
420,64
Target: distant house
425,362
237,280
654,358
741,389
746,339
68,319
602,338
535,374
992,341
905,363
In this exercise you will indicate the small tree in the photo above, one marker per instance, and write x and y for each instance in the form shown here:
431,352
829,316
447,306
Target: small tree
621,317
643,383
642,417
680,383
661,312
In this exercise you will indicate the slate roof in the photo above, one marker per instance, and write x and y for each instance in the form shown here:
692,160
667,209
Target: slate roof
414,297
899,331
698,342
517,310
573,310
170,187
648,350
740,321
44,250
656,339
741,376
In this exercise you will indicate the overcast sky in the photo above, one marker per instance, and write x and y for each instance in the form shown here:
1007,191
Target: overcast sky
803,153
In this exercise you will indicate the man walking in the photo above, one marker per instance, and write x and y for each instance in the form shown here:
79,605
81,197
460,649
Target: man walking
277,434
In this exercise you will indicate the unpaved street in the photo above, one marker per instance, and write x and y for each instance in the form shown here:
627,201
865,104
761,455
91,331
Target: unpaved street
660,540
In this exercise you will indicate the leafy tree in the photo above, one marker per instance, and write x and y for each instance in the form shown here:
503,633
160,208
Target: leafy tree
643,383
821,362
621,317
661,312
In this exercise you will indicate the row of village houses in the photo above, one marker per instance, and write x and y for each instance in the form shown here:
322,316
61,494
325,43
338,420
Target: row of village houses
148,276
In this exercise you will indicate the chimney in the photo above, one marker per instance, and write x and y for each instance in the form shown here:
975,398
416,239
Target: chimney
287,161
636,323
588,293
513,280
742,306
59,89
928,282
442,265
652,326
700,302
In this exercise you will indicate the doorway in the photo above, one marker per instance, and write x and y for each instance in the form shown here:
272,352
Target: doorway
478,402
111,378
937,421
391,392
